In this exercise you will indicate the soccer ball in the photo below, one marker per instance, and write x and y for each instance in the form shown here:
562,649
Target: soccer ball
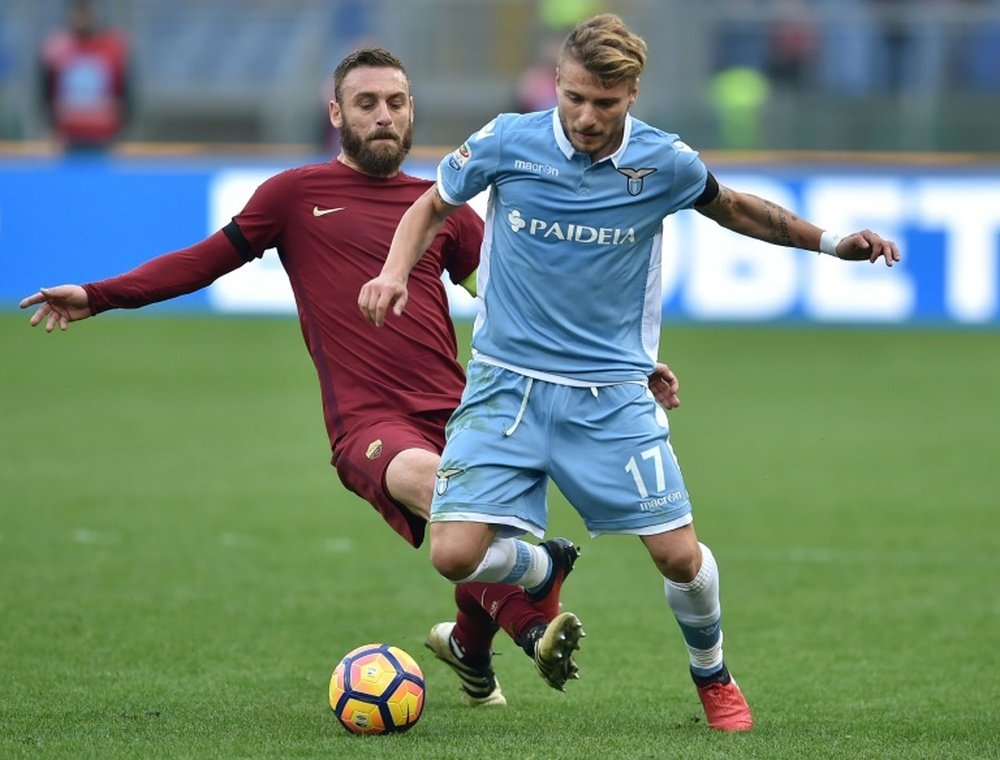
377,689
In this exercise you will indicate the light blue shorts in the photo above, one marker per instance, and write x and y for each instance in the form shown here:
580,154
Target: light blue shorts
606,448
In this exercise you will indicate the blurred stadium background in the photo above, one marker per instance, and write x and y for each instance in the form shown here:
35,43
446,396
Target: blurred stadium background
854,113
816,74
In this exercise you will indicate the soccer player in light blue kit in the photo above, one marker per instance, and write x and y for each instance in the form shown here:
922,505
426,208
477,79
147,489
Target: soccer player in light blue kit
567,333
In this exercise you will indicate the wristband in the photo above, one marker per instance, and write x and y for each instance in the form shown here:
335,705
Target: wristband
828,243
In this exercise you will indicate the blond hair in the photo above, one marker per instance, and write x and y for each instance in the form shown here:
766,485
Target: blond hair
606,48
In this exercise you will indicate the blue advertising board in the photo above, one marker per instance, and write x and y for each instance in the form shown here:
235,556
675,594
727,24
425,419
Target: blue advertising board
81,219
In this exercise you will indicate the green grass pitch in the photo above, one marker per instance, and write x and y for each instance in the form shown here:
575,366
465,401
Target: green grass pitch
180,568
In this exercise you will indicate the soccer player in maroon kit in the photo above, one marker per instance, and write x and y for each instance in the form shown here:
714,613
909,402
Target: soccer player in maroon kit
332,224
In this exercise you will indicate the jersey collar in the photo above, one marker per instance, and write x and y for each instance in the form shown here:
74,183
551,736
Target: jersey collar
567,147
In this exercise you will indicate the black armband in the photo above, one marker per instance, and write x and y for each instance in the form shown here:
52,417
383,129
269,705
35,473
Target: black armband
240,243
710,193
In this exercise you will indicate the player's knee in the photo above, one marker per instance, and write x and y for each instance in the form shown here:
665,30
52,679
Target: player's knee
680,565
680,569
457,549
676,553
453,562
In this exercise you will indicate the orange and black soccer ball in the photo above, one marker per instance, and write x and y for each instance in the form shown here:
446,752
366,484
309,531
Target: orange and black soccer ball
377,689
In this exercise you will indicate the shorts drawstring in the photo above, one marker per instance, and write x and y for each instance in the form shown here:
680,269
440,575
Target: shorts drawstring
520,412
524,405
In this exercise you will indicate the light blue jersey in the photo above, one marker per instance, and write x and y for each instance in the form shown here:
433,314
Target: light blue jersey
569,277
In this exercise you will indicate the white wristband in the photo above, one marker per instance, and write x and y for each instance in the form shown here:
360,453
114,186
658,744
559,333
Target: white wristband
828,242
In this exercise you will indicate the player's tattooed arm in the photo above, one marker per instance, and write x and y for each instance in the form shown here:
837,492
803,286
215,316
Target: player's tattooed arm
725,198
760,218
777,221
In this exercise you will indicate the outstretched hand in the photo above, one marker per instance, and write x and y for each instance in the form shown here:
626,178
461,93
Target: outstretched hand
59,305
868,245
378,295
664,385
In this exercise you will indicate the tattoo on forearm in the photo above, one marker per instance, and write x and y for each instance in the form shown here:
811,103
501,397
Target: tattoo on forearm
725,198
777,220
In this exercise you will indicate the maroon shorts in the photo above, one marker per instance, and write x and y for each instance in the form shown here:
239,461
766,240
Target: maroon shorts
363,455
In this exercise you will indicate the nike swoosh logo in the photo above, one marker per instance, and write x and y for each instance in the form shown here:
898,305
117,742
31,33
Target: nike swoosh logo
317,211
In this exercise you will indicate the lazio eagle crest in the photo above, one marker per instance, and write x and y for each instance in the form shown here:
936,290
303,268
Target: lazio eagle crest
635,177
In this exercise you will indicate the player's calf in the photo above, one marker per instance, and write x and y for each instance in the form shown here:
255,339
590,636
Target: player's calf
563,554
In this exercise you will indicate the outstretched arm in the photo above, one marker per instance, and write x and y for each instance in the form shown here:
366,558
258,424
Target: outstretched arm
414,234
166,276
59,306
765,220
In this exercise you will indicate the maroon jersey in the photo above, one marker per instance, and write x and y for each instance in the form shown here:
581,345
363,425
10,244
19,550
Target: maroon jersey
332,227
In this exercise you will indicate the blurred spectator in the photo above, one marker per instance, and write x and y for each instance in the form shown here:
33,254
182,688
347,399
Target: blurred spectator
738,95
848,44
536,85
9,121
882,46
562,15
791,45
739,87
739,41
912,45
979,51
773,37
85,80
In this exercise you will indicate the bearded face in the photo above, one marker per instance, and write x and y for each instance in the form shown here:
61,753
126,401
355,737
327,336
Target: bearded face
378,151
374,114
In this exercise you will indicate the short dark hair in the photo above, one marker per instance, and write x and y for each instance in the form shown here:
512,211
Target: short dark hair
375,57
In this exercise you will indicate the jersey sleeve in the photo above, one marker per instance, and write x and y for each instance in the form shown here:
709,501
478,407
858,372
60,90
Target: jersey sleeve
461,251
167,276
261,223
470,168
690,175
259,226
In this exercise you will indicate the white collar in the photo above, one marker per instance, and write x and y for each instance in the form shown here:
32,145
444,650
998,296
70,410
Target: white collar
567,147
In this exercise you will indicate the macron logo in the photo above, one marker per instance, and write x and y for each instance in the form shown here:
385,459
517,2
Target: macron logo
531,166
